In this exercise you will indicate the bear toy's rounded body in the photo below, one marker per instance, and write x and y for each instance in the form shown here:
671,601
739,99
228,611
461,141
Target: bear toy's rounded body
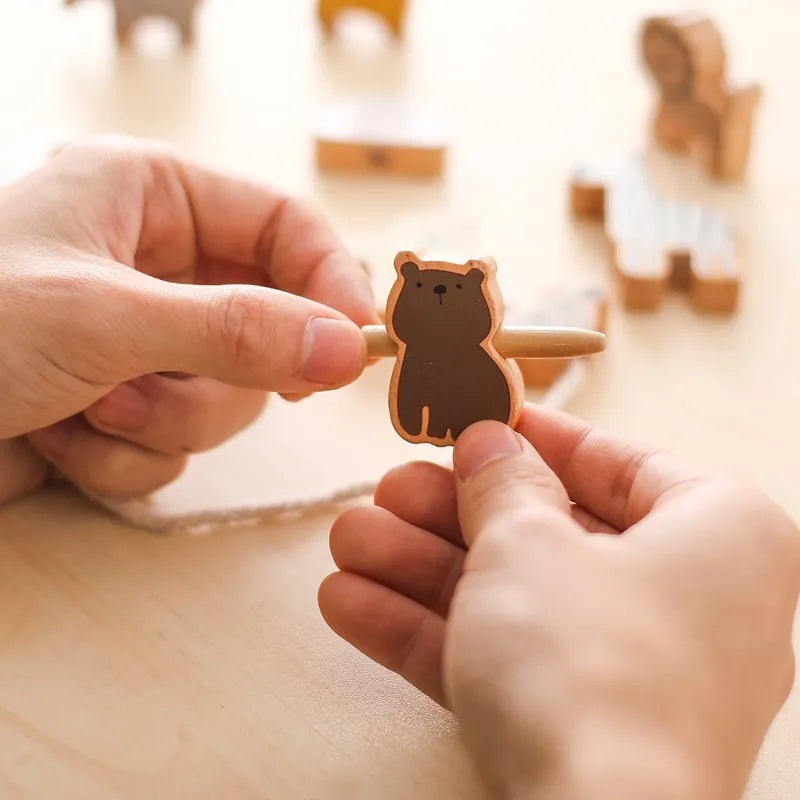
447,374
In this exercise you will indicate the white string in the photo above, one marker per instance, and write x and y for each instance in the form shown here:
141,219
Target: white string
142,513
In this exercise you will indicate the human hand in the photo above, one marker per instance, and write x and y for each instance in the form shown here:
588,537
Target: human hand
644,660
121,349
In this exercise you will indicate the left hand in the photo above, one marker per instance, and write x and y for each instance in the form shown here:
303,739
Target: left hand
147,304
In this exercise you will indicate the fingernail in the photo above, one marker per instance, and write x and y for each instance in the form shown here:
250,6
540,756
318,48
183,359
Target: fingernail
52,441
125,408
334,352
483,443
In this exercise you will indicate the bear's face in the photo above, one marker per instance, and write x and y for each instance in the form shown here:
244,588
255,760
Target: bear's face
436,305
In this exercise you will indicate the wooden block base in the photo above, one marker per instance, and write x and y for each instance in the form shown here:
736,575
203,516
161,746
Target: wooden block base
579,308
392,11
380,136
380,159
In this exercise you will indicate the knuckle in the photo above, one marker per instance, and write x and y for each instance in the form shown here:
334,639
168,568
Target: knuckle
534,517
759,516
497,544
113,151
119,477
494,542
491,483
351,521
635,464
245,321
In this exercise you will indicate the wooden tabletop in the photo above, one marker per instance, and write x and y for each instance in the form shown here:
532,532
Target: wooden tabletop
135,665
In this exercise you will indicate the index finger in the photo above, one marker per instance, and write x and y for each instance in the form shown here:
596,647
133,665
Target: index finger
248,223
615,481
178,220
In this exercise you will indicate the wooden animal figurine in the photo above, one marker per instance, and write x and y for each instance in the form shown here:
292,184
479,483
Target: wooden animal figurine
454,359
697,111
383,136
585,308
448,373
129,12
393,11
654,242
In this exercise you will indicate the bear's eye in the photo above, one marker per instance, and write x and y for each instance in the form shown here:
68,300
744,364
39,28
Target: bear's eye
458,286
419,284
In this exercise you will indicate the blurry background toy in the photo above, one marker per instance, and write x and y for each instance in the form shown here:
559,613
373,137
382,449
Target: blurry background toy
585,308
393,11
129,12
653,242
698,112
380,135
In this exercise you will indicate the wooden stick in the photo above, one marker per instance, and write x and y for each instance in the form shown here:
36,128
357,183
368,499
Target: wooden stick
511,342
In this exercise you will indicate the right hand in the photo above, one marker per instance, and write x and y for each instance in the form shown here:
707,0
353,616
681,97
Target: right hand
635,644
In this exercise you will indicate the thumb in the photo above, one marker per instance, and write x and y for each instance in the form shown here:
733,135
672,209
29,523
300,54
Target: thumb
246,335
502,480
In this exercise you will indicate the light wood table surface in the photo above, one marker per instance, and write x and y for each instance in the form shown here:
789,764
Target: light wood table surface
141,666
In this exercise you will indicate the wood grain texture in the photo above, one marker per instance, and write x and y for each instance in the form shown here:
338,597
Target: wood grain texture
520,342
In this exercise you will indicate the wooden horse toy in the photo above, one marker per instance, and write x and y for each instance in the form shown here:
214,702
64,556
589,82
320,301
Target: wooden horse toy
698,112
129,12
454,357
393,11
653,242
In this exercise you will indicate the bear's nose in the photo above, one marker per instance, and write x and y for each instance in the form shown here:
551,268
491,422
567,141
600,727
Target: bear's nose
440,289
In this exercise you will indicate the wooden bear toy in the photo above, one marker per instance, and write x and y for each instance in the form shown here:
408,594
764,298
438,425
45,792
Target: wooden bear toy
129,12
698,112
653,242
393,11
448,374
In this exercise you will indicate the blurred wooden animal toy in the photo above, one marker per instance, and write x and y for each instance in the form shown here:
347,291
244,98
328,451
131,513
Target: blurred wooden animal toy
385,136
129,12
698,112
585,307
653,242
393,11
454,361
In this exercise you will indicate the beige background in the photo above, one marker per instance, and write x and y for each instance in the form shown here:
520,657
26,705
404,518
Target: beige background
141,666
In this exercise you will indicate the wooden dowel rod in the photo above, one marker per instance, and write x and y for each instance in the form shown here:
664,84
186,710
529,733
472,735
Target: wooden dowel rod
511,342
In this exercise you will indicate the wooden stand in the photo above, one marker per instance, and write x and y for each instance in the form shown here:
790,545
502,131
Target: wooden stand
129,12
653,242
698,112
380,136
393,11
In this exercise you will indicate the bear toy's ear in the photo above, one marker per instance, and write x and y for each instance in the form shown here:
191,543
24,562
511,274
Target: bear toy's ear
476,276
485,266
405,260
409,270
